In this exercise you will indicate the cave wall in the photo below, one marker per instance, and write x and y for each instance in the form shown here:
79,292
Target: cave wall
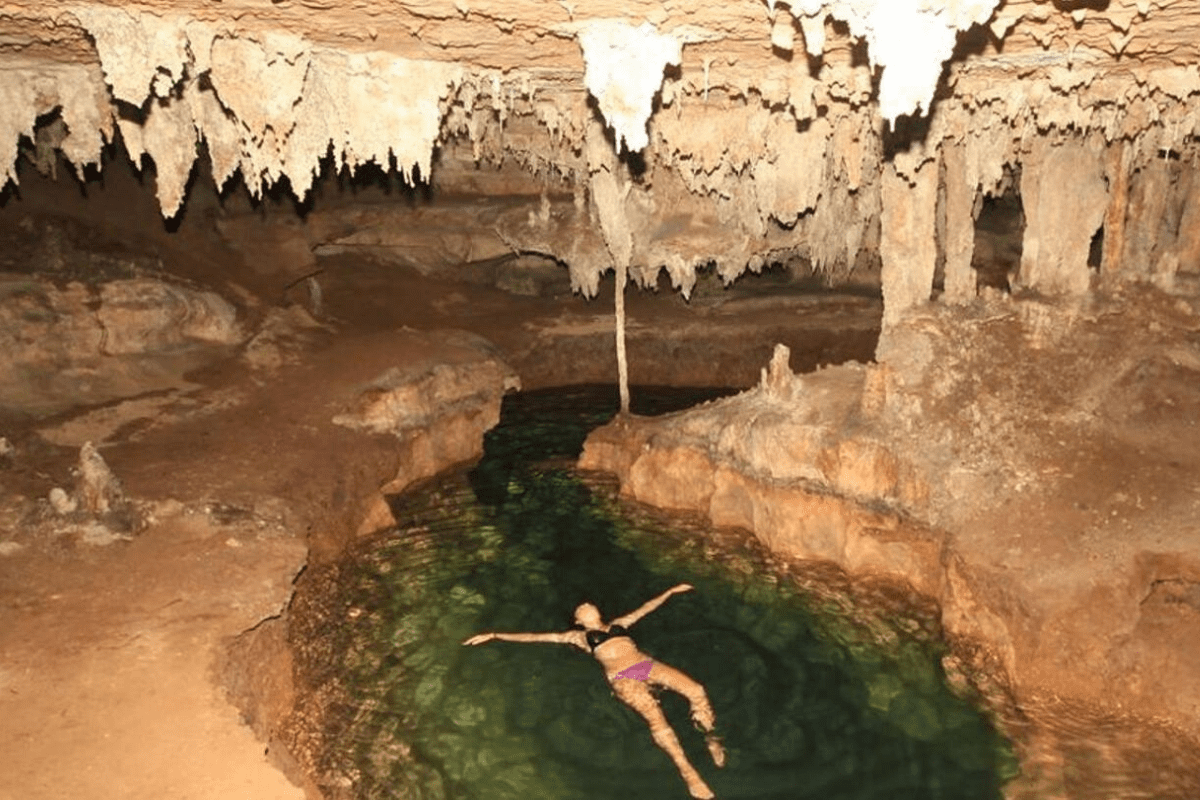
649,137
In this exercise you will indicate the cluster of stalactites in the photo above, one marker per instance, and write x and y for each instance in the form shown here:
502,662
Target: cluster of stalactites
743,164
271,104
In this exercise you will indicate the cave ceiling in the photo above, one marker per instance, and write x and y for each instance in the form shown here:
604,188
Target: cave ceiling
764,129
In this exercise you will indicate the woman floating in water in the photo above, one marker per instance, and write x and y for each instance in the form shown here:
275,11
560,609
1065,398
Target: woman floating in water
632,673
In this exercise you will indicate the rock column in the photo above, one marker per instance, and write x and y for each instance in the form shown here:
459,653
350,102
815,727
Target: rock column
608,197
908,245
959,246
1065,198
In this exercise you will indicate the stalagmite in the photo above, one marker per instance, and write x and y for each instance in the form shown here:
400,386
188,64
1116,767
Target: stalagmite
97,489
908,247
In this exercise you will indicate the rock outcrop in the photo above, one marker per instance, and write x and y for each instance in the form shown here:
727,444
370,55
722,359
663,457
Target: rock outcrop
96,341
1046,503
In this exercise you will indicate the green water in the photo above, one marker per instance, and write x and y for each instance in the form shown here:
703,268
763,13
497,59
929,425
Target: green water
822,689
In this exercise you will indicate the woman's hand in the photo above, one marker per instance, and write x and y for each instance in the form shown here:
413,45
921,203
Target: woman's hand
480,638
681,588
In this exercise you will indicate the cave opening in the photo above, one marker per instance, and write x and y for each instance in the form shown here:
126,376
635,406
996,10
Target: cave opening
999,239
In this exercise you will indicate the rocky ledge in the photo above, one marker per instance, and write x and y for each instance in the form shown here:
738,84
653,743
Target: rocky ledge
1049,507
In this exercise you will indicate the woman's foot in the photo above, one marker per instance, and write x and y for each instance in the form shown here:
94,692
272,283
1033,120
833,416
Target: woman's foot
698,788
703,717
715,749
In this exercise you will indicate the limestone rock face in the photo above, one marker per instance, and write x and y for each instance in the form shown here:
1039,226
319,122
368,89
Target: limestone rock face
89,343
407,398
439,408
144,315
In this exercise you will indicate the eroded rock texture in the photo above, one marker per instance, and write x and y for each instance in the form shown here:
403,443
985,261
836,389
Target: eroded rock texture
841,137
763,131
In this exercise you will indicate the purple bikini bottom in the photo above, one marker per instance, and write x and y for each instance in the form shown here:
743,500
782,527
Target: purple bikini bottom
639,671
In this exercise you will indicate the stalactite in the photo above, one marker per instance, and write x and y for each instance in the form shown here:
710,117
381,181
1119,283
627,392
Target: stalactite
608,199
744,138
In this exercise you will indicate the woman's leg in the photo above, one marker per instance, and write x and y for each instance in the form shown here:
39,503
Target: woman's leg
636,695
702,711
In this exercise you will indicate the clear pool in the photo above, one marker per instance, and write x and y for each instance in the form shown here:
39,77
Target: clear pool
823,688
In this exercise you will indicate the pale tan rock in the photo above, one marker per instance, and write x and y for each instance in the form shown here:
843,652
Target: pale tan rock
140,52
908,245
623,69
404,400
61,502
80,345
1065,198
778,381
98,490
145,315
749,158
959,236
395,94
983,498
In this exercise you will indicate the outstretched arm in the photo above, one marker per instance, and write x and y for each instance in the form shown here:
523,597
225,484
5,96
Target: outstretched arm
567,637
650,605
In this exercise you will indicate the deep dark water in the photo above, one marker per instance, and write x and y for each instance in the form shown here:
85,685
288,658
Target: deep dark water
822,689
